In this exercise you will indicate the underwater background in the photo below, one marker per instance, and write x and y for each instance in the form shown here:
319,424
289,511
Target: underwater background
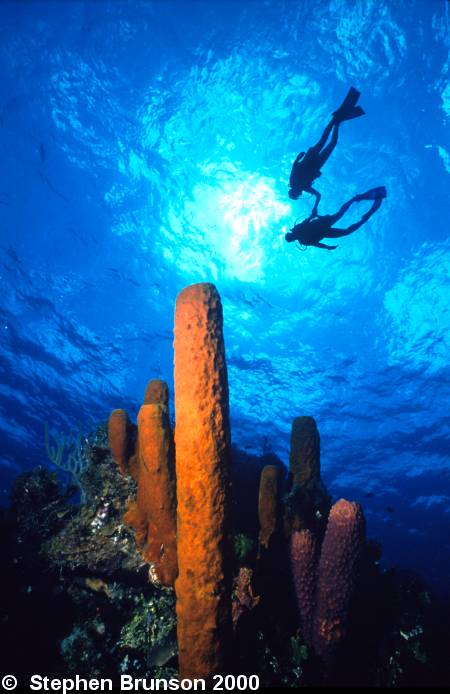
148,145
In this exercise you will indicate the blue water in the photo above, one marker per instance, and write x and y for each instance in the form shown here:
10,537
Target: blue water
148,145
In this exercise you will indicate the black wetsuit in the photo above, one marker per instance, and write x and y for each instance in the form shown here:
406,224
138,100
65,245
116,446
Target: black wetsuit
312,230
305,170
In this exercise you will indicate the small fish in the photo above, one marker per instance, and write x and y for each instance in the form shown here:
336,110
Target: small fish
390,509
369,495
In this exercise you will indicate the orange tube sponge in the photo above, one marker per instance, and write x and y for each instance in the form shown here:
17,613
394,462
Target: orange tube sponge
156,393
304,457
119,438
268,504
341,549
202,438
156,492
303,563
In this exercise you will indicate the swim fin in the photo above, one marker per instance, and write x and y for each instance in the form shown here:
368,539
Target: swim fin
348,109
373,194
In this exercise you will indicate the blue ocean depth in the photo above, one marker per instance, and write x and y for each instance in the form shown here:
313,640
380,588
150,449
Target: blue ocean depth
147,145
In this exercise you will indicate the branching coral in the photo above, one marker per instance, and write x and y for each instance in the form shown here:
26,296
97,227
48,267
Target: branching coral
68,453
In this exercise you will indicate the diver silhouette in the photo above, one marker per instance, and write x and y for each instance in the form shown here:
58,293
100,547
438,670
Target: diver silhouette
306,167
313,229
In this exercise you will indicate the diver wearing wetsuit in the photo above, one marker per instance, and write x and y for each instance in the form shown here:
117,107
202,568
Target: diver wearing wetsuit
312,230
306,167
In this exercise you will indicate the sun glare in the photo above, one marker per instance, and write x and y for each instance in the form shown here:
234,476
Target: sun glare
235,223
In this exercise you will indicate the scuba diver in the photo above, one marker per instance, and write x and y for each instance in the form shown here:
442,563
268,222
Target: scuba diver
306,167
312,230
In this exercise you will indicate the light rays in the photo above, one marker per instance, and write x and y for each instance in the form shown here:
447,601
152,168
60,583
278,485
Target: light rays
231,224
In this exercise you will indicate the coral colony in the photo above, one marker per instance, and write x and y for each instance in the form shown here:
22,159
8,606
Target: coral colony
182,515
188,559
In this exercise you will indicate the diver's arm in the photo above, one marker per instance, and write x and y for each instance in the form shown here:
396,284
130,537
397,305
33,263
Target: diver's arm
318,197
322,245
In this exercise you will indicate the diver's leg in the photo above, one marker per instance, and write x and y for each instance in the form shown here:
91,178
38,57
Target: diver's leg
340,213
325,153
375,206
325,135
337,233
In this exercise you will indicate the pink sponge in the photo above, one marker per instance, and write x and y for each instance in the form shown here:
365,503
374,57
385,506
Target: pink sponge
341,549
303,563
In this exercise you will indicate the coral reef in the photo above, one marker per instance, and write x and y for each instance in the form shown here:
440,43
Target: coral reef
151,630
75,582
95,540
39,510
67,453
202,439
64,609
83,594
